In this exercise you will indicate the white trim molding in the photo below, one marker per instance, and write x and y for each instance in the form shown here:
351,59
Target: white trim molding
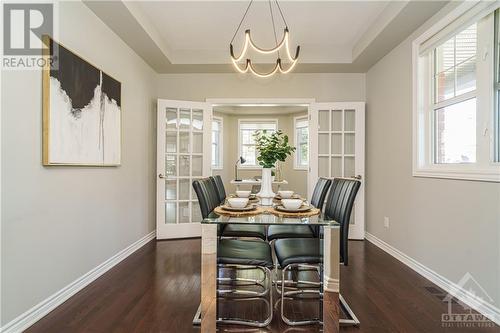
424,162
28,318
261,101
331,285
296,155
220,147
465,296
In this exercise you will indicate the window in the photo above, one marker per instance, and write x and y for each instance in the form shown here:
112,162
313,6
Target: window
454,103
217,143
246,129
456,96
301,142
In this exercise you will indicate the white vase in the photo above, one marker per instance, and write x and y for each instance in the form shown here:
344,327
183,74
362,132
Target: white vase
266,193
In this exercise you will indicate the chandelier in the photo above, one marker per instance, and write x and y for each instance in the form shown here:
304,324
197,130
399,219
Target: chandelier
284,43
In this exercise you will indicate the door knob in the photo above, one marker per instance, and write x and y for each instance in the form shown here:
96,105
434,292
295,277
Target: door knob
161,176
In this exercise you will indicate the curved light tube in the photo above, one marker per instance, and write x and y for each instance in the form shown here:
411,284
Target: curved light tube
249,41
288,49
242,71
277,67
268,74
243,52
249,67
292,65
294,60
284,41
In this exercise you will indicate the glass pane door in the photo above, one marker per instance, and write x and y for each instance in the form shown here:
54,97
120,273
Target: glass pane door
336,143
181,145
339,148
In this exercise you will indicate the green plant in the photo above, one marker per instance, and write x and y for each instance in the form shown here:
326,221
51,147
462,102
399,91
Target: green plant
272,147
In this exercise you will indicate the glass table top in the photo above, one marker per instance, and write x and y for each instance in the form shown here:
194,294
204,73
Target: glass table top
270,219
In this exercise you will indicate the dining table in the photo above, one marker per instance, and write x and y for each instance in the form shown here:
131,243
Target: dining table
329,309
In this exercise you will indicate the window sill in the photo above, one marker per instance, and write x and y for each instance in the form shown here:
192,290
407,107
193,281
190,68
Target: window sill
249,167
217,168
301,168
488,175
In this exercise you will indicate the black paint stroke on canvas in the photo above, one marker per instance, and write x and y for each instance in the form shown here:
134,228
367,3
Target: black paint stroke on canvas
111,88
78,79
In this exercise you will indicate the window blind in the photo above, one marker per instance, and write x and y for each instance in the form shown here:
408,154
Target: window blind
475,13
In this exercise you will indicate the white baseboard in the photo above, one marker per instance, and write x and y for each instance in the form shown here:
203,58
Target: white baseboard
331,285
485,308
37,312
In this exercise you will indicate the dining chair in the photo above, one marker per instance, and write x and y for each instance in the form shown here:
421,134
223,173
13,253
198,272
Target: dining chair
237,230
235,254
302,231
221,191
208,197
295,252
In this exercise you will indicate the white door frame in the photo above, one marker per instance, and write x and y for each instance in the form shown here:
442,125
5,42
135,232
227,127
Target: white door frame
356,231
272,101
178,230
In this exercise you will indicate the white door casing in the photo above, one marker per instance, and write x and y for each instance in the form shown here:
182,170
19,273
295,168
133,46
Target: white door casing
183,154
337,149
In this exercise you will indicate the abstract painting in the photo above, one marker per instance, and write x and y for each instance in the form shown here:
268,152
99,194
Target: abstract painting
81,111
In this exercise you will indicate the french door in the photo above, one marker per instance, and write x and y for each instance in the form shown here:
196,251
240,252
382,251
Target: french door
183,155
337,143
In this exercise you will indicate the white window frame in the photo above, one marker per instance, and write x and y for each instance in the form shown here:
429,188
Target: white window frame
296,164
485,168
250,120
220,165
496,117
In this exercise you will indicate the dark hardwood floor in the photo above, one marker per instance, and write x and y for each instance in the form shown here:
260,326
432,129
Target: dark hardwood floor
157,290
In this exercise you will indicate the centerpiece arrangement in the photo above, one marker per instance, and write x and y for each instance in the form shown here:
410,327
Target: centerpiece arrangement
271,147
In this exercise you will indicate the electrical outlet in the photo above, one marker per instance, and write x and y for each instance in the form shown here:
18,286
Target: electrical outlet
386,222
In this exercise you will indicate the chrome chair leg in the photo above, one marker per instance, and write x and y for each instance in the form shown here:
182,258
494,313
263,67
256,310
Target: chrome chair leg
283,317
353,320
236,282
296,285
269,303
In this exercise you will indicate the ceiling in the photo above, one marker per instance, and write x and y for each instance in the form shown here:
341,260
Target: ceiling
194,36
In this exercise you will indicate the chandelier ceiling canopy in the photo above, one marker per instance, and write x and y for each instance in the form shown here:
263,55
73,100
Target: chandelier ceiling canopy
249,43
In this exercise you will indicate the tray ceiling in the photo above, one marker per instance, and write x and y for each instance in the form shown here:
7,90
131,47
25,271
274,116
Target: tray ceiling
193,36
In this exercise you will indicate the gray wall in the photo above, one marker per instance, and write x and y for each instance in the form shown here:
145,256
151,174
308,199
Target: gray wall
60,222
322,87
450,226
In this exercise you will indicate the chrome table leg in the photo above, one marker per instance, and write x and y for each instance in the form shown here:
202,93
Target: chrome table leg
208,278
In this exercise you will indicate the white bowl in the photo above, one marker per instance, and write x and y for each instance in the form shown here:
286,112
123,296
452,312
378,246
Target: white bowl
243,194
237,202
285,194
291,203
